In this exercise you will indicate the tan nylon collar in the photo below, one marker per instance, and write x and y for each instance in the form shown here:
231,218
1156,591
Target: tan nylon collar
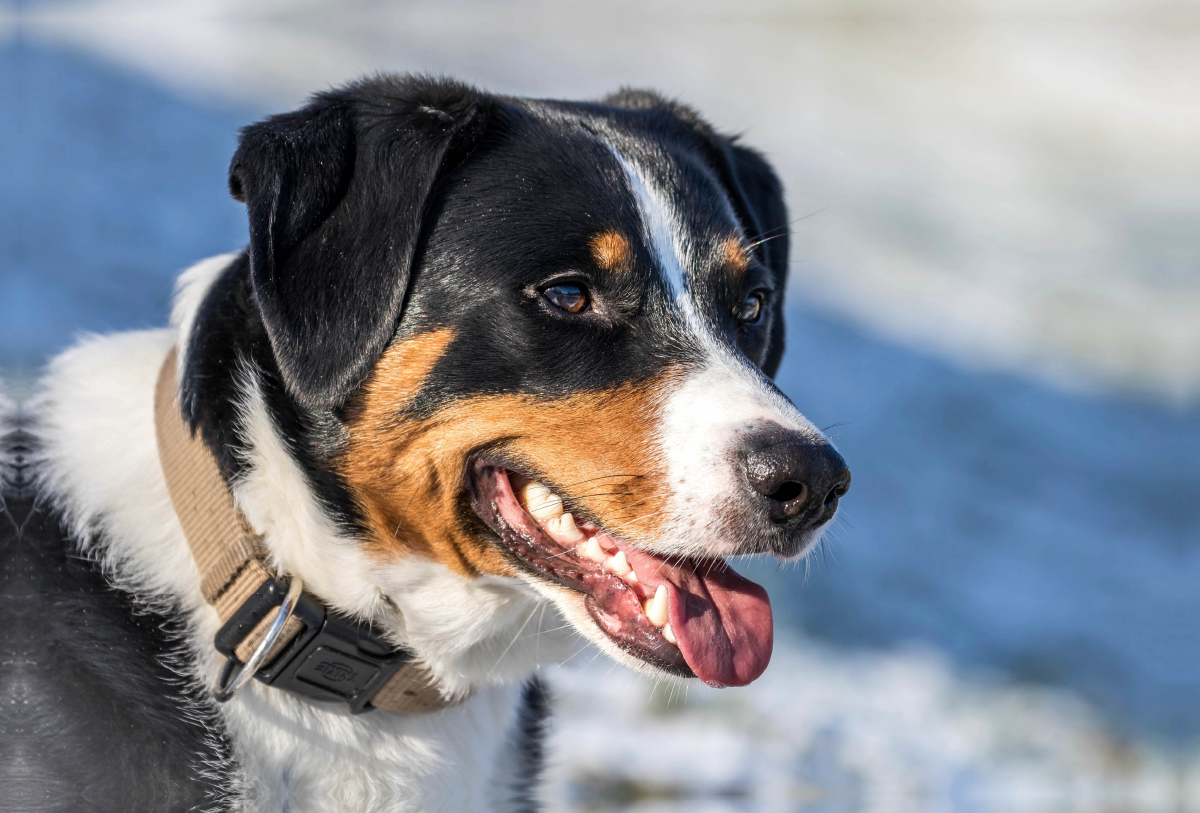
230,555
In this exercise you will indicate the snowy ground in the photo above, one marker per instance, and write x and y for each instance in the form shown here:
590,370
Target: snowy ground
827,731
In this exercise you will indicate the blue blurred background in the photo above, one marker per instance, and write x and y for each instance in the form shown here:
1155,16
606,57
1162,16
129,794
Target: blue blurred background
995,300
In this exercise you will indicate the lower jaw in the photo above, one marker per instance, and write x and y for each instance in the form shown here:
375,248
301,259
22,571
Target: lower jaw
639,640
631,633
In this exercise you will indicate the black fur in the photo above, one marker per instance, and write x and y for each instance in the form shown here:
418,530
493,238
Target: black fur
754,191
336,196
384,209
426,199
97,715
529,745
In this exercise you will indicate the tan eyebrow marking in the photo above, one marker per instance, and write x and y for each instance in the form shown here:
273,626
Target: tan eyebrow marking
735,255
612,251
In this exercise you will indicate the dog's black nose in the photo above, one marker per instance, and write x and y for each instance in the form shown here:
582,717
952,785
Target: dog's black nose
798,480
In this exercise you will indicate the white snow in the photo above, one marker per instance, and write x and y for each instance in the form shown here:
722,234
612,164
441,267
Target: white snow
832,730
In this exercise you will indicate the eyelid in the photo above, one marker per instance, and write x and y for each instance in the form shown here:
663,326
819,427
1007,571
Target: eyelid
565,278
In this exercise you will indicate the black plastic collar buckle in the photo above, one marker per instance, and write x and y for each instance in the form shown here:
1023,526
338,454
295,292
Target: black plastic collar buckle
333,659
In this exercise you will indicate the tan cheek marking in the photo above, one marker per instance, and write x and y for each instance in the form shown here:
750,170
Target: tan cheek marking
612,251
597,448
735,256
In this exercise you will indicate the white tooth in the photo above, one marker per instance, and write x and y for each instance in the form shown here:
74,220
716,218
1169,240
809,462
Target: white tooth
656,608
563,528
538,501
592,550
618,564
669,634
567,528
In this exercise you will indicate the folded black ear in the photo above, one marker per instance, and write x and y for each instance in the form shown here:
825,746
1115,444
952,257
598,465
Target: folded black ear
754,190
758,199
336,194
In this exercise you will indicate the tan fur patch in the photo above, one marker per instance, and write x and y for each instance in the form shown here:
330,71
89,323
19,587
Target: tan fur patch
612,251
735,256
408,475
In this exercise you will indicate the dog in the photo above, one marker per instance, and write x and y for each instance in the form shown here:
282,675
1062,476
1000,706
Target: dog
493,375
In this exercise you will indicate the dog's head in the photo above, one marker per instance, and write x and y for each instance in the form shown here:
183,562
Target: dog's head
532,343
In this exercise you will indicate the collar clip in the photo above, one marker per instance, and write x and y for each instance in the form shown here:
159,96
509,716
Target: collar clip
333,658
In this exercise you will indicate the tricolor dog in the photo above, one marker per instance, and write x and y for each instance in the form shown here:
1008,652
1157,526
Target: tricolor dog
493,374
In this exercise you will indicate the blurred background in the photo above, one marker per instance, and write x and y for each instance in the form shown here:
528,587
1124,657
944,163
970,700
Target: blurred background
995,298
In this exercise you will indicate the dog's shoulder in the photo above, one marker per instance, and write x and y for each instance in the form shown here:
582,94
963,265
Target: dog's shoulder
97,715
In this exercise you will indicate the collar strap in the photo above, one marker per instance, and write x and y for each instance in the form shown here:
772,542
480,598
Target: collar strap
320,654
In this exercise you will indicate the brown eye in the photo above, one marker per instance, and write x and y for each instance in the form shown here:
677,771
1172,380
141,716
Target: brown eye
751,309
571,298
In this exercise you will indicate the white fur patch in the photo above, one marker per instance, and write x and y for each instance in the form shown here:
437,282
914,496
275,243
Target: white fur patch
668,241
99,462
190,289
99,459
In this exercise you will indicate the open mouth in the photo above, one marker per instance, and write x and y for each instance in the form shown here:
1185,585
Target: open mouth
690,617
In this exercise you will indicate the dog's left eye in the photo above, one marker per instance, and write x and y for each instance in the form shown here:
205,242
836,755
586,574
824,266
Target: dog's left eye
571,298
751,309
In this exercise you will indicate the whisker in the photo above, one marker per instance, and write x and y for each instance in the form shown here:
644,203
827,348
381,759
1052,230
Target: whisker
636,519
537,651
585,646
602,494
634,504
546,632
780,231
404,513
513,641
601,477
581,543
568,550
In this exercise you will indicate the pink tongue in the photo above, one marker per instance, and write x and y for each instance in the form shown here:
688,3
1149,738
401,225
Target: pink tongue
721,620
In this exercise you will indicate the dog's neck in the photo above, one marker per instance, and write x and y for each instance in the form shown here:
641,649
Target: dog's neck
100,458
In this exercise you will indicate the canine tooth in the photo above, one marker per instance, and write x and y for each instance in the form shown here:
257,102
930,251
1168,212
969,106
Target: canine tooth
669,634
592,550
618,564
540,502
656,608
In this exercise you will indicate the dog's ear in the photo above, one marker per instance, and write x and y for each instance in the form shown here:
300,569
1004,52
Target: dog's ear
754,190
758,198
336,194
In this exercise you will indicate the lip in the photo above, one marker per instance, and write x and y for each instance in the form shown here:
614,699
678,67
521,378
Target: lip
614,604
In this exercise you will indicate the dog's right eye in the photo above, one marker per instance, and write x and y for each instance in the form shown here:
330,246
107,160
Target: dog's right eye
570,298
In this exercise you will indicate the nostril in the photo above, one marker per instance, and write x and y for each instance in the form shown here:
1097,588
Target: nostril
797,481
836,493
788,492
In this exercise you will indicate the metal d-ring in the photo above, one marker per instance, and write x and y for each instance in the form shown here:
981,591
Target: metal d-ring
235,675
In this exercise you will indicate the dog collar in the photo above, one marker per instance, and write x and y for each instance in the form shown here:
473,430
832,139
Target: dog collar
270,628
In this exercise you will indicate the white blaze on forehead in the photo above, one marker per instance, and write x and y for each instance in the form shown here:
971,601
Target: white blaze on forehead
709,414
667,241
